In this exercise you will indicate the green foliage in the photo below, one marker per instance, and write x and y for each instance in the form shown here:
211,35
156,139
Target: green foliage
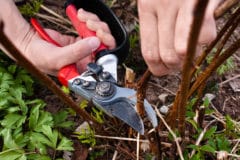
213,140
94,155
228,65
98,115
65,89
26,129
31,7
86,136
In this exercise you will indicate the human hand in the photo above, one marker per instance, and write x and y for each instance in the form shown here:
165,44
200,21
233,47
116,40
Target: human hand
50,58
164,30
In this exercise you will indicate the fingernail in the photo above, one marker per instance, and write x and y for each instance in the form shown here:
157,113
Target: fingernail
94,43
81,14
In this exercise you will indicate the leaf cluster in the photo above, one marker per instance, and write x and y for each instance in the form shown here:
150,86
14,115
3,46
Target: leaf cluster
26,129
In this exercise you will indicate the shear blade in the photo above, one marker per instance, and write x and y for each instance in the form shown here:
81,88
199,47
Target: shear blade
122,109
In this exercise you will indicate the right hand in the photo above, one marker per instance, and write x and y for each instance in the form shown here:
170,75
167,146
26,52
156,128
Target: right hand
164,30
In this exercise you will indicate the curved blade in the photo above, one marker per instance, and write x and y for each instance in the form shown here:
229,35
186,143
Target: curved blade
123,109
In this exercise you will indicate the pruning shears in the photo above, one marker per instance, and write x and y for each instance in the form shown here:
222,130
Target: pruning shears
99,82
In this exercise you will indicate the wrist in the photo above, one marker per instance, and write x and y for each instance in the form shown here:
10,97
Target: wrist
16,28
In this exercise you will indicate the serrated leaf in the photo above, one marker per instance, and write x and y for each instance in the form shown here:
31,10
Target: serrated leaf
60,120
193,123
20,138
39,141
193,146
12,69
23,157
51,134
209,133
34,114
13,120
223,143
65,144
39,118
38,157
207,148
10,154
7,139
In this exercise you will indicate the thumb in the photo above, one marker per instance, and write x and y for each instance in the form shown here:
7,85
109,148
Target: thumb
79,50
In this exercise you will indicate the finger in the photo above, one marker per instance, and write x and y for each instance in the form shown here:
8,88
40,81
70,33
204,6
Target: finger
183,26
208,30
76,51
84,15
61,39
95,25
82,64
149,41
106,39
166,27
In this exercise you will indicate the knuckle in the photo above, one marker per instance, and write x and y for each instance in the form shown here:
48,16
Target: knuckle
151,57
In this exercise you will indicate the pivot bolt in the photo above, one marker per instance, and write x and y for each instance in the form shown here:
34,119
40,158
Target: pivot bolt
106,75
104,89
86,83
77,81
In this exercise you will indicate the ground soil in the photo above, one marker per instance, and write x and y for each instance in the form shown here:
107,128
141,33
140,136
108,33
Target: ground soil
226,101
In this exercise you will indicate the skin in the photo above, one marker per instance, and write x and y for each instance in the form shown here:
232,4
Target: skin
170,21
46,56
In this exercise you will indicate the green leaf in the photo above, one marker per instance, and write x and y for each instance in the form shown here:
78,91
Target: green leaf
39,118
13,120
34,115
223,143
7,139
20,138
11,154
65,144
39,141
207,148
51,134
60,120
209,133
12,69
193,123
193,146
23,157
38,157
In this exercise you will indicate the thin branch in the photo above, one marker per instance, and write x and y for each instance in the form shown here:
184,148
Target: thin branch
141,87
121,138
228,80
224,7
55,14
186,75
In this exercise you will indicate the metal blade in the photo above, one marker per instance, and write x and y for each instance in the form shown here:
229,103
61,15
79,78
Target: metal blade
123,109
109,64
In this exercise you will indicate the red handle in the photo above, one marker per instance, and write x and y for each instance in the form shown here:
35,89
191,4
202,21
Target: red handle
66,73
81,27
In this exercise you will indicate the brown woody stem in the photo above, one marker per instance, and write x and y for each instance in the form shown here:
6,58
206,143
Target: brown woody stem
188,63
141,87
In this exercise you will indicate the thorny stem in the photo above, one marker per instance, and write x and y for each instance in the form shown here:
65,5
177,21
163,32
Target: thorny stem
214,42
225,6
41,76
186,75
228,29
141,87
213,66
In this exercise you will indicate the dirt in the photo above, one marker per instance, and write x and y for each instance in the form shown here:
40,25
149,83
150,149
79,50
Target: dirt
226,101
